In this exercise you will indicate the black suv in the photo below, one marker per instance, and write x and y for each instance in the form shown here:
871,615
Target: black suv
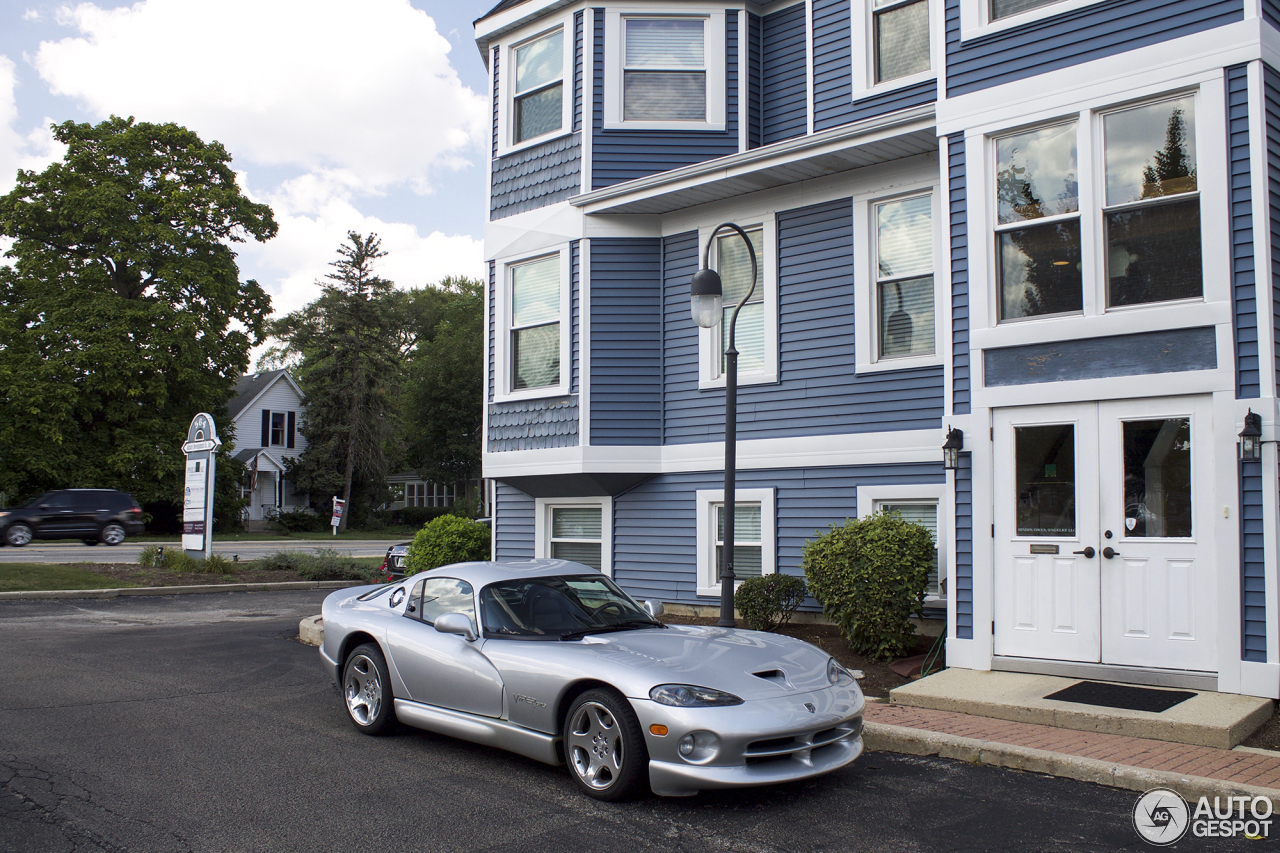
91,515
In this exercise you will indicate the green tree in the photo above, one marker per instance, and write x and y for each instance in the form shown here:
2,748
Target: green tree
348,343
444,399
124,310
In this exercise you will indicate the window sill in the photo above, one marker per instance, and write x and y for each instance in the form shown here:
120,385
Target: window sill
532,143
894,85
689,126
546,392
885,365
972,25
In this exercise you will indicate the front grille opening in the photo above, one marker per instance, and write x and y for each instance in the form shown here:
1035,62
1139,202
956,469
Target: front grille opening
770,745
767,759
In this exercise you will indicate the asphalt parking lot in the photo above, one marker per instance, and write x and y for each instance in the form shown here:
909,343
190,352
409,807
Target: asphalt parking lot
198,723
62,551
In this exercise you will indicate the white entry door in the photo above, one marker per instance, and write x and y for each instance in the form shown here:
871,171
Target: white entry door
1102,533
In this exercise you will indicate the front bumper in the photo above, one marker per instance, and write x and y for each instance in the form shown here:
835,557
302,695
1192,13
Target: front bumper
760,742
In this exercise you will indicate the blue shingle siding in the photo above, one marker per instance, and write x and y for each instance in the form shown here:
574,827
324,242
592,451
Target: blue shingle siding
755,84
626,341
733,95
1244,282
962,596
1169,351
1271,12
536,177
1271,90
818,393
575,308
623,155
960,381
577,71
1081,35
833,102
492,323
785,75
533,424
1253,599
655,524
513,524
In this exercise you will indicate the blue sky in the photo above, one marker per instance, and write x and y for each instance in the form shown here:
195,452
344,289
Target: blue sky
364,115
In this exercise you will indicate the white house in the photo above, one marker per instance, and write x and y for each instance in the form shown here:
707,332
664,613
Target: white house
266,414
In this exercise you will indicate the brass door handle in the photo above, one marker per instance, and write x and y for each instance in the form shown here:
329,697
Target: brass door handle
1110,552
1088,552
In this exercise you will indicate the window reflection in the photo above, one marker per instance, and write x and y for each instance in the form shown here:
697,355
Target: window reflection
1045,472
1157,478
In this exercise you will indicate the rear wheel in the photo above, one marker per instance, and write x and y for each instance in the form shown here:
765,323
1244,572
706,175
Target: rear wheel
112,533
18,534
366,688
604,747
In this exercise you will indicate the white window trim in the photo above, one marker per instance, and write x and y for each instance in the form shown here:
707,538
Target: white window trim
708,339
716,59
866,342
708,577
502,390
542,528
871,497
507,88
864,71
975,16
1097,320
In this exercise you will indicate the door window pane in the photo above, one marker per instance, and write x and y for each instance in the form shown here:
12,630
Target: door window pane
1157,478
902,40
1045,480
746,537
576,535
925,515
1040,270
904,298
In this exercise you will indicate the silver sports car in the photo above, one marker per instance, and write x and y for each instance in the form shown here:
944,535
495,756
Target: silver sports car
550,659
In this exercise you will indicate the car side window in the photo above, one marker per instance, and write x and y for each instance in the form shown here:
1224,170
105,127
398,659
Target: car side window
414,607
446,595
57,500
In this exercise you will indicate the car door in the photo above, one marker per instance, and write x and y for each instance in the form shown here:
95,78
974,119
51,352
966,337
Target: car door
443,669
54,516
89,511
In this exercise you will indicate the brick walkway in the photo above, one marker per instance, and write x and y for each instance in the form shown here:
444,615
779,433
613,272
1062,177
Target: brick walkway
1246,768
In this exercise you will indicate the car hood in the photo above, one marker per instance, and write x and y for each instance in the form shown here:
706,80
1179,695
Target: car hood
749,664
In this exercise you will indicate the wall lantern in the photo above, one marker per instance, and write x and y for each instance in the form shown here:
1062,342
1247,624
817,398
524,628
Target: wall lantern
951,450
1251,438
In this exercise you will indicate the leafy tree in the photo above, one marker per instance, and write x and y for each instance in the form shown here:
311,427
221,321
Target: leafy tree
1172,172
444,400
348,343
124,310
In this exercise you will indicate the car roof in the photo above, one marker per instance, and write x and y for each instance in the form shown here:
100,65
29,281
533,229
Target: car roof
483,573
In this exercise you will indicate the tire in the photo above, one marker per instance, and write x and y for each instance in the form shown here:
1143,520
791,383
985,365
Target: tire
603,746
18,534
366,690
91,542
112,533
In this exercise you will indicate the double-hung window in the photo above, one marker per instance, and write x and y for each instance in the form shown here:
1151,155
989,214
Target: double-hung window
755,333
576,529
1006,8
919,504
535,323
900,37
925,515
665,70
904,277
753,536
538,96
1145,209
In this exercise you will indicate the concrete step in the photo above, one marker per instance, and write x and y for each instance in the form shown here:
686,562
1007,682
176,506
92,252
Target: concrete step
1219,720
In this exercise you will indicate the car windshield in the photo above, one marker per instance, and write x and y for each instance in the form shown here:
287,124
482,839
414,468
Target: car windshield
559,608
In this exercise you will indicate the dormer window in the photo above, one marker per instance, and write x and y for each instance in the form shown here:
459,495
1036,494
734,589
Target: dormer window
539,87
665,72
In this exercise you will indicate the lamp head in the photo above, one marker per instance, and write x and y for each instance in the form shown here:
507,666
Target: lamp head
706,298
1251,438
951,449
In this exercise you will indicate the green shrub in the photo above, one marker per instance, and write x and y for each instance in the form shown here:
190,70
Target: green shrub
218,564
870,576
447,539
147,557
323,565
767,602
301,521
174,559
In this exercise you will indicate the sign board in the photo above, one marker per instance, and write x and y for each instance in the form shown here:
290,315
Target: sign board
201,449
339,506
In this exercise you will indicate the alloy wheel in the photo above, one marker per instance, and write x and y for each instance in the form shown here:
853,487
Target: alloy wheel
363,690
595,746
113,534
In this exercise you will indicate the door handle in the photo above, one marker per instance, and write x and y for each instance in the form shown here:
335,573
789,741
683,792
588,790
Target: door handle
1088,552
1110,552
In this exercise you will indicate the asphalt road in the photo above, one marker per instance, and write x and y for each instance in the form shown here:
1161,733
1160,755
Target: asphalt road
73,551
199,723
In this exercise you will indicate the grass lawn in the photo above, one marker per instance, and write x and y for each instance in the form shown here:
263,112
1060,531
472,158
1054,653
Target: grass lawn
391,534
17,577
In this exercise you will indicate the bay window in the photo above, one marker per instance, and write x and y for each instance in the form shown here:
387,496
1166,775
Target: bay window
665,71
538,96
535,323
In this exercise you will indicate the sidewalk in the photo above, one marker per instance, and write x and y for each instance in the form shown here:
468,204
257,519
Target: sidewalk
1119,761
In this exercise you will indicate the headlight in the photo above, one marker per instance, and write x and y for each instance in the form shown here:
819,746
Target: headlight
690,696
838,675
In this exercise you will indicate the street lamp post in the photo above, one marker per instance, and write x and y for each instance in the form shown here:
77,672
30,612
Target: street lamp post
706,300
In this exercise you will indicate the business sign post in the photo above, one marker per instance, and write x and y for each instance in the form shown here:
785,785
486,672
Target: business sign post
339,507
201,449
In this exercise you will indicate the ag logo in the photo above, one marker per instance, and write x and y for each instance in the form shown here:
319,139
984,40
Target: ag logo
1161,817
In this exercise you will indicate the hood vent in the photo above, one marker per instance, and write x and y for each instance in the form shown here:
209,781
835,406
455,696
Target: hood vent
771,674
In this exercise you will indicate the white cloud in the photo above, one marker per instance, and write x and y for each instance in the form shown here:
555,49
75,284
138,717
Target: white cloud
364,90
32,15
34,150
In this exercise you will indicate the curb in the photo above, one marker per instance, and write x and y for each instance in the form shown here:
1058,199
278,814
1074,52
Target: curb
888,738
175,590
311,630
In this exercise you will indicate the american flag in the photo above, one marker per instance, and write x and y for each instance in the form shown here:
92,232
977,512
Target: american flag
253,475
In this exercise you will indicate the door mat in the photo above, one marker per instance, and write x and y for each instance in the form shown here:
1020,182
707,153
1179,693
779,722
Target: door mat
1124,696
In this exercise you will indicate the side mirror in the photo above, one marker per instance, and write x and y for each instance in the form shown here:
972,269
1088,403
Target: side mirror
654,608
457,623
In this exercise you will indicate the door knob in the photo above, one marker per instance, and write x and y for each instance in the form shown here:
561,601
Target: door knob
1088,552
1110,552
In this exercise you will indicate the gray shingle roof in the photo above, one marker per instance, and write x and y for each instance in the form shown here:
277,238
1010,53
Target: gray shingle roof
248,387
533,424
537,176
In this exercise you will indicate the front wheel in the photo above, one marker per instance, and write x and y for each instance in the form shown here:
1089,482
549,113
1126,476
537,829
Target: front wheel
113,533
366,688
18,534
604,747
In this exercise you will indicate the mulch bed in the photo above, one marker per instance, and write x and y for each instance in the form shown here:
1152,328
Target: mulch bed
1267,737
142,576
877,679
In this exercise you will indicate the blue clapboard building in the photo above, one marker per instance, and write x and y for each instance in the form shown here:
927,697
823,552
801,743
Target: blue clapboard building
1048,225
